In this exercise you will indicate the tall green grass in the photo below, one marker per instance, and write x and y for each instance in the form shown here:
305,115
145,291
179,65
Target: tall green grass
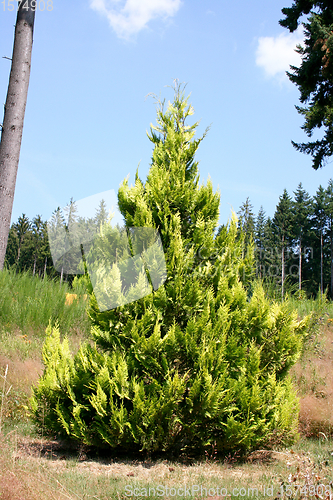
320,305
28,303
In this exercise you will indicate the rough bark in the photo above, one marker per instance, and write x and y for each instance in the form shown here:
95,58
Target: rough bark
282,270
12,126
45,267
331,237
321,263
300,265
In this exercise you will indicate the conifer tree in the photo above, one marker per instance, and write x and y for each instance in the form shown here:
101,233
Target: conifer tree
246,220
196,361
12,247
329,213
320,225
260,241
29,240
73,257
302,208
22,228
314,77
37,228
101,215
283,221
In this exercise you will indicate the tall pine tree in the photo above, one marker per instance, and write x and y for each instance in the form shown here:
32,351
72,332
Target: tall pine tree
320,226
246,220
329,213
314,77
259,239
302,208
283,229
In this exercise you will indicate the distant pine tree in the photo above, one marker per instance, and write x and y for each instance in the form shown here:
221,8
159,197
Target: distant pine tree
329,213
302,223
246,221
260,240
283,229
22,228
102,215
319,223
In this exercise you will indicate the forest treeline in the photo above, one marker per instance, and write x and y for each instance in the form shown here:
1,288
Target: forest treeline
29,248
293,249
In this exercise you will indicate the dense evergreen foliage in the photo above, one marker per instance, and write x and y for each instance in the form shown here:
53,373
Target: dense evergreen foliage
28,247
314,77
204,358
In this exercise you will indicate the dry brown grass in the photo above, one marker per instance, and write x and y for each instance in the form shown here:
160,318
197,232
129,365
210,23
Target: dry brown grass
19,482
34,465
20,376
313,376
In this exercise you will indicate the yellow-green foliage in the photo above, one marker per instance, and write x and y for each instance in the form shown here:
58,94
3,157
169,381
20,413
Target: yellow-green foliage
205,357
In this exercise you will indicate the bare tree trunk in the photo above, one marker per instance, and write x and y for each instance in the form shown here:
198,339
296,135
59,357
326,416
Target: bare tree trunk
282,270
331,261
300,265
33,273
12,128
18,252
321,263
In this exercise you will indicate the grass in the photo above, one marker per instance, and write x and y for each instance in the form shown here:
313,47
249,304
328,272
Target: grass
321,306
54,471
4,394
32,467
28,303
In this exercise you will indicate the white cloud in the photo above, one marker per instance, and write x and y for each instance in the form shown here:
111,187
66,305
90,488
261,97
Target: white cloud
276,54
128,17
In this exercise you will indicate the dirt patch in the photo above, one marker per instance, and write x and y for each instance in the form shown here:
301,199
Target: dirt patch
289,458
58,454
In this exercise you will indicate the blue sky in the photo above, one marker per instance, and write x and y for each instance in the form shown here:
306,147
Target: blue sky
95,61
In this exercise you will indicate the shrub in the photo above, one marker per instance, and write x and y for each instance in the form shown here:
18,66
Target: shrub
202,359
